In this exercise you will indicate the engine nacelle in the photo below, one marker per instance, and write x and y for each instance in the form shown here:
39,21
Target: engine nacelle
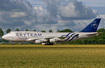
52,40
38,41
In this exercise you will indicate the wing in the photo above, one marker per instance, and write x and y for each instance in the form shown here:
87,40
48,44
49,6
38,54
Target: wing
40,38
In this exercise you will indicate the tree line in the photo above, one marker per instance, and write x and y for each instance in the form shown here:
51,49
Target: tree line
8,30
100,39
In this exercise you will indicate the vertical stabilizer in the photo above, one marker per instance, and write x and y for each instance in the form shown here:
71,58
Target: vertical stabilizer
92,27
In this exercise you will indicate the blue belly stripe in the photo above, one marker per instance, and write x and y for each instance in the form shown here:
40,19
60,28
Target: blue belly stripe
69,37
74,37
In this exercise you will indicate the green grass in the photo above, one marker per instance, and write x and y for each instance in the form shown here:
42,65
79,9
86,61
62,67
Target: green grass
61,56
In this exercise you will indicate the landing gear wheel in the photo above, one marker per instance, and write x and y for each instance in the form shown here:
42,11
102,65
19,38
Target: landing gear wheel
49,44
12,44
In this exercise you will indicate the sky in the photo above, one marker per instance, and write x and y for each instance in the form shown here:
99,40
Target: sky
50,14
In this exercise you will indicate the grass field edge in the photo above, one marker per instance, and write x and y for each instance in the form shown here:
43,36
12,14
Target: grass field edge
71,45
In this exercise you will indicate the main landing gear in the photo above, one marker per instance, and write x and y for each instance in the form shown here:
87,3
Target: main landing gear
48,43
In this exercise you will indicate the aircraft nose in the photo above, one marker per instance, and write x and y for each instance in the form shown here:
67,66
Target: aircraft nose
3,37
7,37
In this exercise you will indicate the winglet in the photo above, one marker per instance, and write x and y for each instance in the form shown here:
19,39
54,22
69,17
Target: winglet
92,27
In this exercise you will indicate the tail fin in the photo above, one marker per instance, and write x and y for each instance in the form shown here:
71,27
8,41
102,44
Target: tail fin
92,27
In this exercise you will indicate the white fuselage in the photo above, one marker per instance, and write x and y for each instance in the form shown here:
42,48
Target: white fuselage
31,36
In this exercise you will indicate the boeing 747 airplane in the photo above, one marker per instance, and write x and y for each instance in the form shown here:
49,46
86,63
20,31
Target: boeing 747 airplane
50,38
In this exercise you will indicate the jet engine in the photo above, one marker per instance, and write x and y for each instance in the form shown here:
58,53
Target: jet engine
52,40
38,41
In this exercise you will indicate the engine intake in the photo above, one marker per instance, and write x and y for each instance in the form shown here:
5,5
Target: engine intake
38,41
52,40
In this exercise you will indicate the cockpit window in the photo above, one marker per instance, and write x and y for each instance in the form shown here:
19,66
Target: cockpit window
9,33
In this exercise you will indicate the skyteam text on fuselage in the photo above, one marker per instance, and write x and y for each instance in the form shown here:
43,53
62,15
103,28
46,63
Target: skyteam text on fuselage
50,38
29,34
